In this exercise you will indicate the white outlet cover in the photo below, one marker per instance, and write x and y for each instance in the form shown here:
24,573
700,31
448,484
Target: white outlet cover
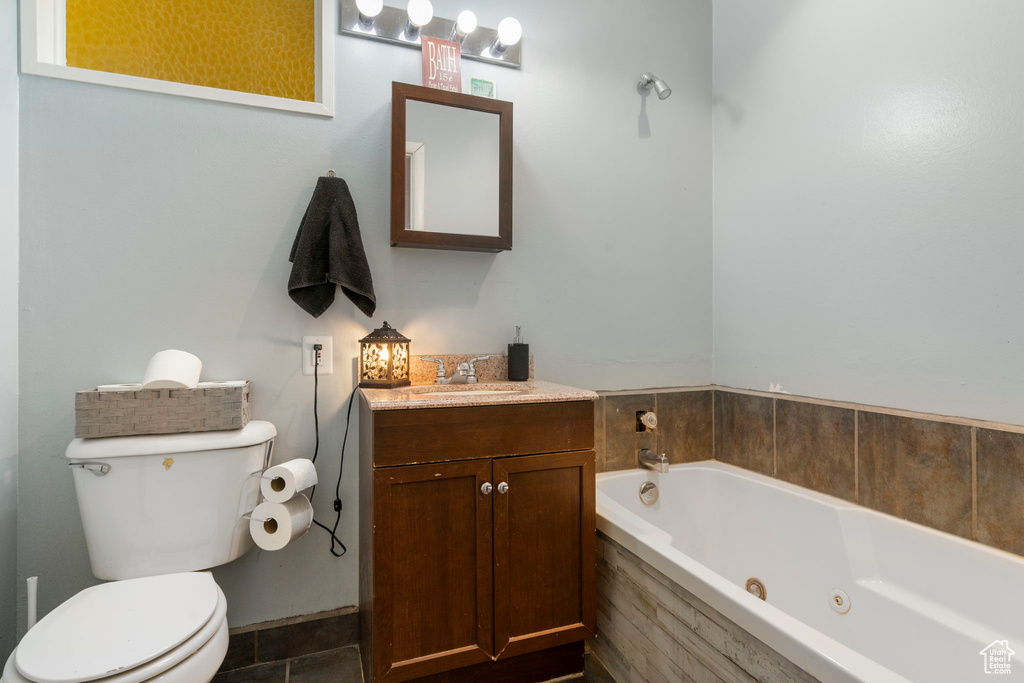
326,354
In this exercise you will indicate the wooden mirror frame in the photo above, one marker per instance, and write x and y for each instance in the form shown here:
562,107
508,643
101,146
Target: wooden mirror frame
400,236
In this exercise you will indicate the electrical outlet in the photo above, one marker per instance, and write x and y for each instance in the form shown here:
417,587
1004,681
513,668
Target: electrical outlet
309,355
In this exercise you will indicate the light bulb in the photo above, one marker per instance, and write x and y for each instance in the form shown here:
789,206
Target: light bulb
420,12
466,22
368,9
510,31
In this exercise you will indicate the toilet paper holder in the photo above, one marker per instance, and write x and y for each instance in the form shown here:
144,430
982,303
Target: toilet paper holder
254,519
267,457
258,474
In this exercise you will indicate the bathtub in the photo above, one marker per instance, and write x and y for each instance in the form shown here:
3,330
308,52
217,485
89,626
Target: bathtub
922,604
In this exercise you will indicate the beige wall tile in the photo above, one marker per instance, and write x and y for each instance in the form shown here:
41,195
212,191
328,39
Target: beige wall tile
814,447
1001,490
916,469
621,440
743,431
685,431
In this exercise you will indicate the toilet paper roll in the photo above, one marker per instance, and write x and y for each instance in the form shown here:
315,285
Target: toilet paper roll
281,482
275,525
119,387
172,369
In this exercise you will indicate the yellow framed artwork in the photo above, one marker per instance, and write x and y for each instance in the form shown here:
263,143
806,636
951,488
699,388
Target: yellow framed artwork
268,53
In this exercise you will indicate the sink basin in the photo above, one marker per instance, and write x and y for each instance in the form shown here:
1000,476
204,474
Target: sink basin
476,392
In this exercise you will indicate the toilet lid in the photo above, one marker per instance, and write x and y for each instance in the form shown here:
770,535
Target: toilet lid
116,626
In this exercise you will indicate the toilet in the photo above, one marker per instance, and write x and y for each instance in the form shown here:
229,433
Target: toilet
158,511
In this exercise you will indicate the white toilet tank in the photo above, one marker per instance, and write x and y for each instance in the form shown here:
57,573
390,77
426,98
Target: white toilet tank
168,503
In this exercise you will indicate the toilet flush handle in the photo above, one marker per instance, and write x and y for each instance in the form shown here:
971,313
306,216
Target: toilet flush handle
97,468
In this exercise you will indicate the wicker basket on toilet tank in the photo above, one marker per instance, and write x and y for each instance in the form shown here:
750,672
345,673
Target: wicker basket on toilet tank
206,408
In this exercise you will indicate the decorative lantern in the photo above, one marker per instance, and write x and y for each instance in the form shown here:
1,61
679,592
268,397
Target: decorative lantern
384,359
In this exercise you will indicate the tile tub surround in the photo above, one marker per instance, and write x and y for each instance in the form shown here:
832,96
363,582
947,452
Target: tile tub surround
1000,483
916,469
743,431
814,447
653,630
958,475
685,430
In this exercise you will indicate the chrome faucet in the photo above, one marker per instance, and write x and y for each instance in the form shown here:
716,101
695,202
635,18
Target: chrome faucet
466,373
649,460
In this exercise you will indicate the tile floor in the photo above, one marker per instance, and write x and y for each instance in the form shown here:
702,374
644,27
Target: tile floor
342,666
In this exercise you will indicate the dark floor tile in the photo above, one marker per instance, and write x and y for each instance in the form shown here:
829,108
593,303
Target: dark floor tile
295,640
916,469
621,440
274,672
814,447
1001,490
685,431
743,431
241,651
333,666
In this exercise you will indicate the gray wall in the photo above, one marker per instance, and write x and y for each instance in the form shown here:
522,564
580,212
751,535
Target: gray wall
9,316
152,222
867,170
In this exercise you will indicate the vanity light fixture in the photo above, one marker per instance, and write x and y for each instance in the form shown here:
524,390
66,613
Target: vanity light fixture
510,31
649,80
420,13
465,24
368,11
384,359
406,25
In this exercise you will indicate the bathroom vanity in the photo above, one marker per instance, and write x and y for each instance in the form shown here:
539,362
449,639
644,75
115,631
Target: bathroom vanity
477,531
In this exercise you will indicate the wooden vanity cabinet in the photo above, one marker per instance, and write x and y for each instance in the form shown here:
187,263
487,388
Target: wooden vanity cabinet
484,554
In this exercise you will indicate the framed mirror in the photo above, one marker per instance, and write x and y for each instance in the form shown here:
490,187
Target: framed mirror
451,170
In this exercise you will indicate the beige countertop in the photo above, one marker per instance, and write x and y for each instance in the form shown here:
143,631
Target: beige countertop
459,395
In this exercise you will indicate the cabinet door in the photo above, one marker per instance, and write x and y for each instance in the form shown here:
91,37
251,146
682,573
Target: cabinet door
544,541
433,578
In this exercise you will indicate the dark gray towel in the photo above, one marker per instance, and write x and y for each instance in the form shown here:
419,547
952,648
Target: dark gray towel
328,251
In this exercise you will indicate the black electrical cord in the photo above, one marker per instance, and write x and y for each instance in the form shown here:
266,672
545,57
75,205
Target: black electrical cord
333,531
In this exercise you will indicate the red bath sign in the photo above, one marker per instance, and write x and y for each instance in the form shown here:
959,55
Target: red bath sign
442,64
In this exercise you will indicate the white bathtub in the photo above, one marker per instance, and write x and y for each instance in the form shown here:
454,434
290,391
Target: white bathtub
923,604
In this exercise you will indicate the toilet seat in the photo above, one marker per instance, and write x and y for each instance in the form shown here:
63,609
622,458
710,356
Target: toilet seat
166,628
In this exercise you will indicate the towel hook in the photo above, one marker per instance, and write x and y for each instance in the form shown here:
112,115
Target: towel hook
331,173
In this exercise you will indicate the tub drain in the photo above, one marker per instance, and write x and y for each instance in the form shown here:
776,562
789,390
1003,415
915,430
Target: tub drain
648,493
756,588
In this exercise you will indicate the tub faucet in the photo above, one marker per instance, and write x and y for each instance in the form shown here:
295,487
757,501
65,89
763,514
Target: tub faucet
649,460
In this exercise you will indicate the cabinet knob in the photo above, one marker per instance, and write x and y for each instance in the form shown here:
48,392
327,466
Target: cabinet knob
487,488
503,487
